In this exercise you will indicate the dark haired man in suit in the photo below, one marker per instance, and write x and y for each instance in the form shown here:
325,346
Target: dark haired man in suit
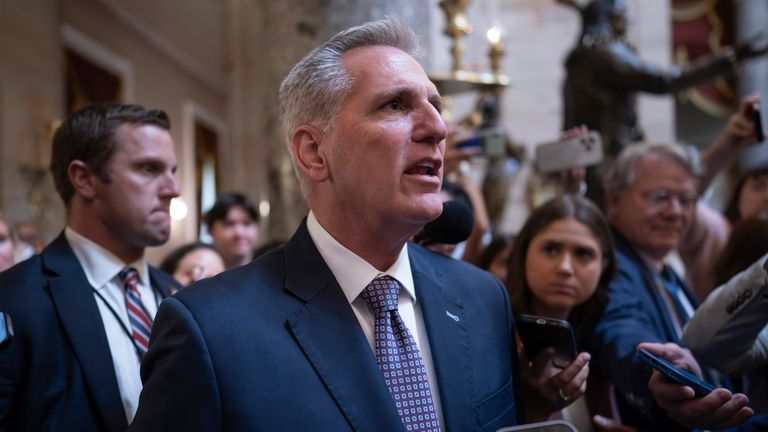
82,309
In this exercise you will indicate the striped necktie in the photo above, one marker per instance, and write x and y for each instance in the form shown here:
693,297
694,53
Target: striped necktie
399,358
141,323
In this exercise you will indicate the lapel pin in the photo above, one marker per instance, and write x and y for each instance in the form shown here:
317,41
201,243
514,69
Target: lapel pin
452,316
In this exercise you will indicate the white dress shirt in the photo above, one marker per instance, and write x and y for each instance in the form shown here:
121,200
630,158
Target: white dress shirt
101,268
354,273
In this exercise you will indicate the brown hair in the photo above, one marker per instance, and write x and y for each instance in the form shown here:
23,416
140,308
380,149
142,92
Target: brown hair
747,243
583,317
91,135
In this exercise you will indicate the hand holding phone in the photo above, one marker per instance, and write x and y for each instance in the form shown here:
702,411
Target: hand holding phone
675,374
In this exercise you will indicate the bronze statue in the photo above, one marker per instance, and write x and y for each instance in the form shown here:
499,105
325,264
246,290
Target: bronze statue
604,73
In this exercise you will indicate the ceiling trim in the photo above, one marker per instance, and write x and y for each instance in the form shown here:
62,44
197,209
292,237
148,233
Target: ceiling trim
166,47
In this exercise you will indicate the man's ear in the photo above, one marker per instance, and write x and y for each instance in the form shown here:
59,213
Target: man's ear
309,152
82,178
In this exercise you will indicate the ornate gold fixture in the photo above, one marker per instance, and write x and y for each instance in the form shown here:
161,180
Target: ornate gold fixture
459,80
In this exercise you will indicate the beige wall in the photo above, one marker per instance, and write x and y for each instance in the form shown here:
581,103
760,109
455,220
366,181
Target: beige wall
31,89
32,36
160,80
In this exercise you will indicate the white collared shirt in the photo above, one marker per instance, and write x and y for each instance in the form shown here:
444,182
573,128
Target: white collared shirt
101,268
354,273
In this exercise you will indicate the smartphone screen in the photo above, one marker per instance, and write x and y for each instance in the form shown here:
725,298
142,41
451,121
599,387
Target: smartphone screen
758,120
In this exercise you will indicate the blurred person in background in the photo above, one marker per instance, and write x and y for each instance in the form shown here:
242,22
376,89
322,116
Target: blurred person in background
28,240
560,266
6,245
709,231
233,223
495,256
192,262
652,193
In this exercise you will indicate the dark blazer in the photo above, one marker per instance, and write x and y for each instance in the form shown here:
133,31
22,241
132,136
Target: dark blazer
636,312
275,346
57,373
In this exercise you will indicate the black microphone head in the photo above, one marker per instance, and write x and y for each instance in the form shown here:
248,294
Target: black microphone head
453,226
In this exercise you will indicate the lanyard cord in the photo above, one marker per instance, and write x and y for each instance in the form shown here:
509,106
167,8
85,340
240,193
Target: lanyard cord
120,320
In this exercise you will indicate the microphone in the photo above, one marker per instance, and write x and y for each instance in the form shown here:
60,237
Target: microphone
453,226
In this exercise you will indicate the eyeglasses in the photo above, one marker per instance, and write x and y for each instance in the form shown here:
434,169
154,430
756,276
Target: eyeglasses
662,199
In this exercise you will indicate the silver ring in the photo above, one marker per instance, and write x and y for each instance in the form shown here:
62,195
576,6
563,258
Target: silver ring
562,396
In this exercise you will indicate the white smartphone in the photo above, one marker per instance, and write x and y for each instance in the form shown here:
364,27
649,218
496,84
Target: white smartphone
560,155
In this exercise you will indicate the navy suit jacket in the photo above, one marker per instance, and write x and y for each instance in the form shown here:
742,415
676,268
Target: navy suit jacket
57,373
636,312
275,346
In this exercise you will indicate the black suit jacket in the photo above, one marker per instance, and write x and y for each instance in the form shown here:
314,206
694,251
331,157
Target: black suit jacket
275,346
57,373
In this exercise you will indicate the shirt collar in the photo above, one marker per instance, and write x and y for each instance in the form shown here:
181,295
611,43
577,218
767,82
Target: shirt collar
100,265
351,271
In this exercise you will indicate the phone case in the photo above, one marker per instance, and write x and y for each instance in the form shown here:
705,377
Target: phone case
676,374
582,150
539,333
757,118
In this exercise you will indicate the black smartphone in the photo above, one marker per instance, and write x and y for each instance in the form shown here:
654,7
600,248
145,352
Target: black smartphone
538,333
758,120
676,374
6,329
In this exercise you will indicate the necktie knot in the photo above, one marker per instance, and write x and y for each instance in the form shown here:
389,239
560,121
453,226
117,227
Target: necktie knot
381,294
130,278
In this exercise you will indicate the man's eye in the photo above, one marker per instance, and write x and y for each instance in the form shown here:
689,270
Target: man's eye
395,104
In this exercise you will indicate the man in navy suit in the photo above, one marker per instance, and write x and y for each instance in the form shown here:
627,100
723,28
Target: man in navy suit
74,361
652,191
289,342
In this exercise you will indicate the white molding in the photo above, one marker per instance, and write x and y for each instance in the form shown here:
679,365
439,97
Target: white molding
166,47
104,57
191,112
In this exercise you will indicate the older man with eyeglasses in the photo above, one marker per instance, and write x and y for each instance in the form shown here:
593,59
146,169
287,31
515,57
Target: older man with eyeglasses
652,191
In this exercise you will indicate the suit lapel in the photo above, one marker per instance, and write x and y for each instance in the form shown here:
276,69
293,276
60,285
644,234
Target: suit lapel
445,322
329,334
73,299
162,282
650,281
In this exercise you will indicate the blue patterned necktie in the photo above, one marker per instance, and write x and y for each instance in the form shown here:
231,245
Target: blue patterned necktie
674,290
141,323
399,358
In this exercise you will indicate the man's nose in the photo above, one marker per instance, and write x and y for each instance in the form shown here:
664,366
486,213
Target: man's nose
171,188
429,125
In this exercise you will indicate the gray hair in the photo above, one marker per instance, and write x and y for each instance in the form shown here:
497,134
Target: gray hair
314,89
621,174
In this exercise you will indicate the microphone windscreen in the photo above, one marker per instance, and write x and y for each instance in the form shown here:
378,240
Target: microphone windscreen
453,226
